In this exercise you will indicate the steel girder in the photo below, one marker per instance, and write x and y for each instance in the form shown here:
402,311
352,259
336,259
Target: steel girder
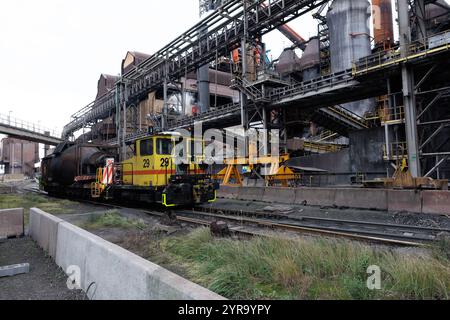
194,48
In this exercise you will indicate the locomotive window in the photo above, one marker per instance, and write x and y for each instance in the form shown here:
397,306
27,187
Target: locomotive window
147,147
164,146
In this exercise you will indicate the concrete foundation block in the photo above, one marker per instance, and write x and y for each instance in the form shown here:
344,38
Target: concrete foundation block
362,198
14,270
279,195
251,194
227,192
315,196
405,200
44,230
436,202
11,223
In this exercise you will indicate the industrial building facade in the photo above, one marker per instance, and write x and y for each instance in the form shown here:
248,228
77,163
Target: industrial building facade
19,156
365,106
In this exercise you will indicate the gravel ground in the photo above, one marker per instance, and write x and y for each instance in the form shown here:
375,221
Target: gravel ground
44,282
336,213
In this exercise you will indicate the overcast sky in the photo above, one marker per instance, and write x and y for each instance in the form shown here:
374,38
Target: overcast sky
53,51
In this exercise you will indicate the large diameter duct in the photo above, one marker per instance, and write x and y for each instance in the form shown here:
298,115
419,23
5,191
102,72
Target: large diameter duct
203,88
293,36
383,25
348,23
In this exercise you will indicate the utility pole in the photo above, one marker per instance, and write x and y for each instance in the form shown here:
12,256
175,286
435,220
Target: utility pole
409,97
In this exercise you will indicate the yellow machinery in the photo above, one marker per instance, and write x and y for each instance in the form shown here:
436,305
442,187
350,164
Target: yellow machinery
403,179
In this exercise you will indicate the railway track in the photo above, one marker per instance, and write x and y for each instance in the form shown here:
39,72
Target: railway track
244,223
354,234
374,229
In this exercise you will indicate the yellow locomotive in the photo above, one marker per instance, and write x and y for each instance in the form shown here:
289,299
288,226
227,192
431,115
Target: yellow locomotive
152,175
153,167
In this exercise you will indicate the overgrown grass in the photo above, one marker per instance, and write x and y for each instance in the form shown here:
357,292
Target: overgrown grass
27,201
113,219
264,268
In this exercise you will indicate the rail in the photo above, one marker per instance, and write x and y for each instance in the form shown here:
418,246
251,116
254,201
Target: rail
350,116
396,151
431,45
362,231
312,86
215,113
320,147
325,136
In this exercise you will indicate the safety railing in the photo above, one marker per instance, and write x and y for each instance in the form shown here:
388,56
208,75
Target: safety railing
325,135
15,123
392,115
396,151
316,147
433,44
315,85
213,113
350,116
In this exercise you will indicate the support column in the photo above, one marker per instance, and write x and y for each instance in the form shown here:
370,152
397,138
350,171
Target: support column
118,121
164,122
203,85
408,91
420,18
124,131
243,96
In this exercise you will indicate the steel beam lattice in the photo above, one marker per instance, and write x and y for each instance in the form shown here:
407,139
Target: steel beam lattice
195,47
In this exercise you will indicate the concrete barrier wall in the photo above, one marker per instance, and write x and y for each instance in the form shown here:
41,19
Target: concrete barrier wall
109,272
415,201
404,200
315,196
43,229
436,202
251,193
227,192
11,223
279,195
362,198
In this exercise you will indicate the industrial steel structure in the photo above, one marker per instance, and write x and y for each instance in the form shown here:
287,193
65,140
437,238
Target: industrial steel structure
379,104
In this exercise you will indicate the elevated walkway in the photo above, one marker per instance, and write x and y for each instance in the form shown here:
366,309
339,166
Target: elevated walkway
27,131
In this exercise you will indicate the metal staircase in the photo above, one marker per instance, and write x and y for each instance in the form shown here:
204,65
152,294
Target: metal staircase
249,89
339,119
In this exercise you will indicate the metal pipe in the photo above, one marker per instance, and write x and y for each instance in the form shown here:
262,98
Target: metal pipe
383,25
